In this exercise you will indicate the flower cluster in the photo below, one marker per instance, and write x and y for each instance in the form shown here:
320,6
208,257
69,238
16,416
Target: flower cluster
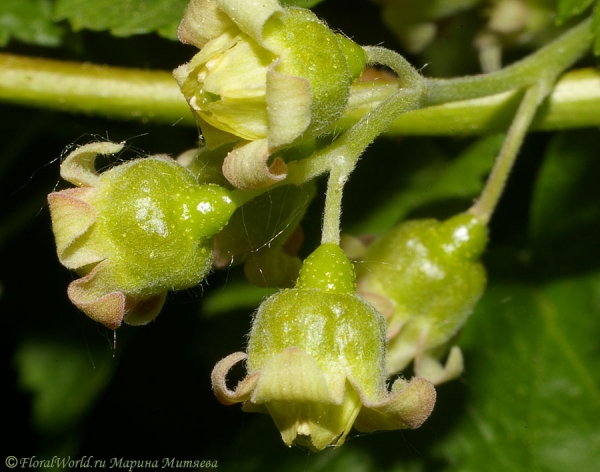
133,232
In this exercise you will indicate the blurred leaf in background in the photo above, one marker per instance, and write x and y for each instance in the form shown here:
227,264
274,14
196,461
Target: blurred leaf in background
29,21
123,17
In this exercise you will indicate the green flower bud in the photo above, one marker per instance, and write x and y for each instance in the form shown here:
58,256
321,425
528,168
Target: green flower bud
425,277
266,76
315,362
133,232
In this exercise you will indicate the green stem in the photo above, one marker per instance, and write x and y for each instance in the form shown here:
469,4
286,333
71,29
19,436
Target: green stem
338,176
113,92
408,76
485,205
153,96
554,58
354,141
341,156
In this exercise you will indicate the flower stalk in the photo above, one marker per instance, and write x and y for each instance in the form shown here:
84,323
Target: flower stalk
553,58
496,182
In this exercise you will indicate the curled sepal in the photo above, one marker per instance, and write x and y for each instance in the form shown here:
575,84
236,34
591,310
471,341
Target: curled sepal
408,405
134,232
306,381
246,167
202,21
72,216
114,308
288,107
250,15
428,365
219,374
78,167
304,408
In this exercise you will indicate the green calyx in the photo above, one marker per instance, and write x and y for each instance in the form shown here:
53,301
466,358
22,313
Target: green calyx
463,236
431,277
324,317
328,269
308,49
355,56
328,327
157,224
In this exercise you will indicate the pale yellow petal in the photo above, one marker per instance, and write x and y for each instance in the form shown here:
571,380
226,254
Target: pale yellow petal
292,376
239,72
246,118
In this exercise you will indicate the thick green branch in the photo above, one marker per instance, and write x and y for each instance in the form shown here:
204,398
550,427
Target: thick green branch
153,96
112,92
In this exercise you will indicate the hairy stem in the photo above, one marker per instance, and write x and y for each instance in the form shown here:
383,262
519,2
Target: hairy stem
553,58
343,153
338,175
485,205
113,92
154,97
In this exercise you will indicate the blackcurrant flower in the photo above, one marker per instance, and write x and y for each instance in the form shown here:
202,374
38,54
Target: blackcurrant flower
266,77
316,361
425,277
133,232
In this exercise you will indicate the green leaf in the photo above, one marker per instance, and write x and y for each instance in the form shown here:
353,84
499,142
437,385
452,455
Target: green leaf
460,178
29,21
234,296
124,17
596,29
569,8
65,381
565,209
533,380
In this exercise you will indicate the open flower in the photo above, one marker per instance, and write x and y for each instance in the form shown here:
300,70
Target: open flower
133,232
265,76
425,277
316,362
